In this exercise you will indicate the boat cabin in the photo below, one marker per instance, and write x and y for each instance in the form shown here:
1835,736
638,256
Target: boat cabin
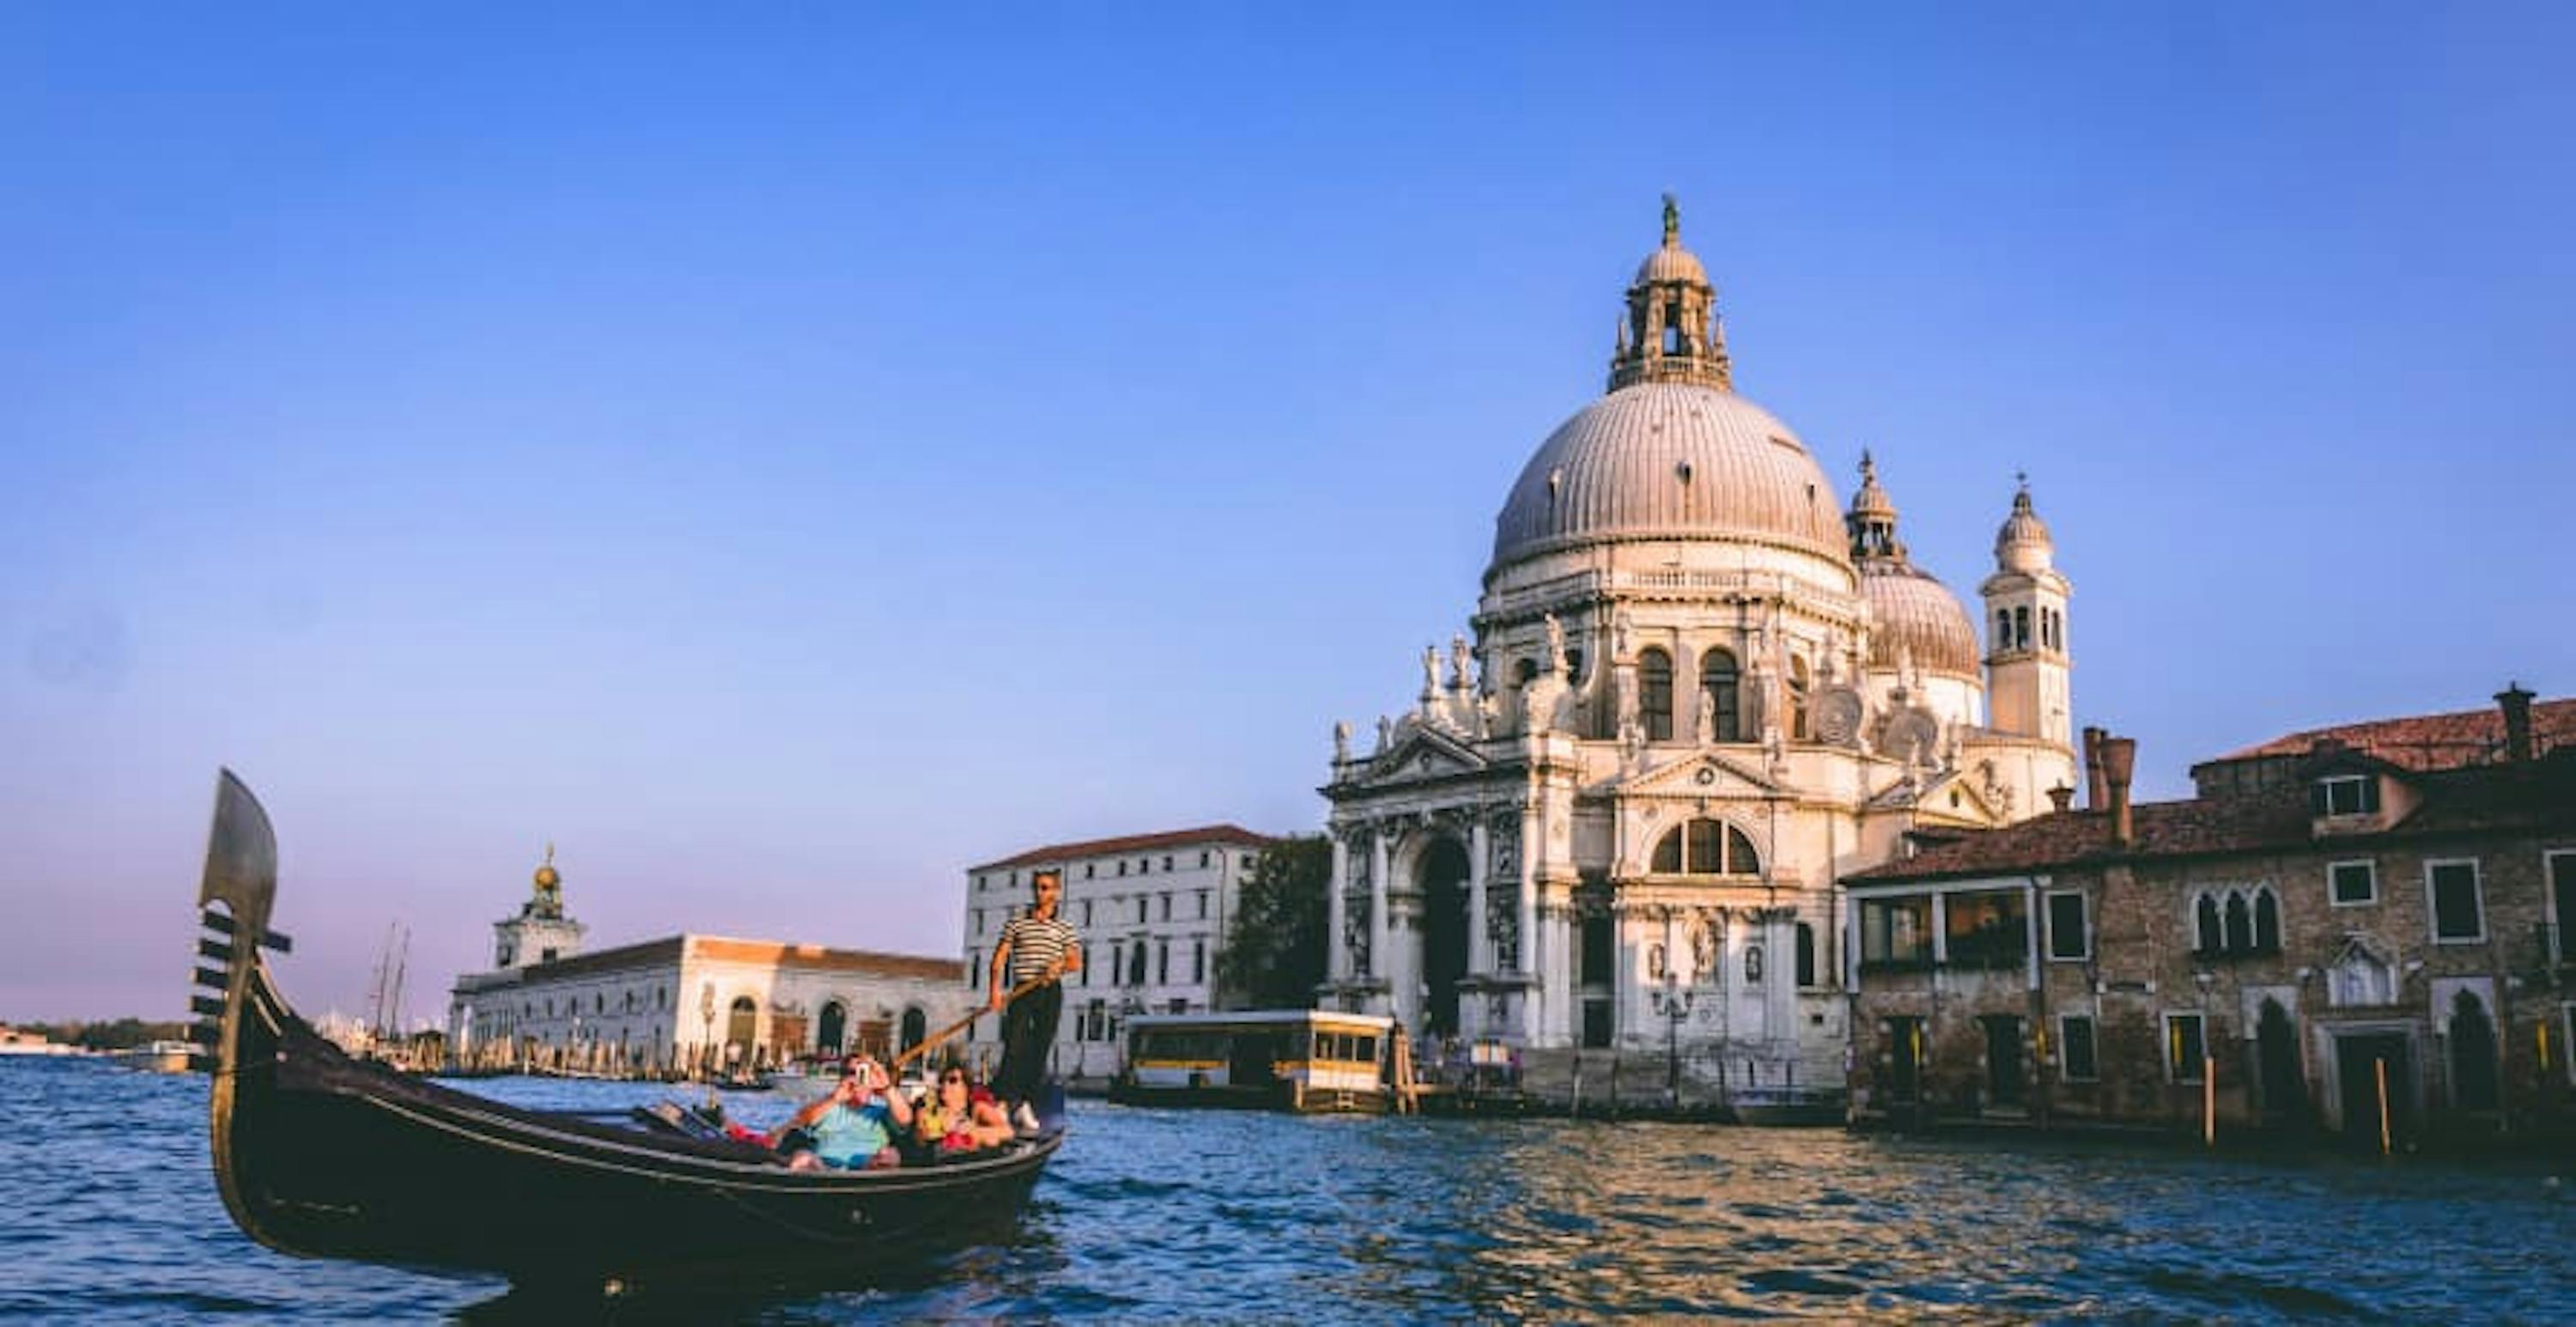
1281,1059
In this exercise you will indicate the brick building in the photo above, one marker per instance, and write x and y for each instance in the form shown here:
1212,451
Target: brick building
2331,905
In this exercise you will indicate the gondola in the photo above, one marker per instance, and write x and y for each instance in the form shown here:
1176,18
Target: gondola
324,1155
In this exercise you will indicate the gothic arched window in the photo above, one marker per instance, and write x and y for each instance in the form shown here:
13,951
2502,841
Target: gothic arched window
2267,923
1655,693
2240,925
2206,936
1718,677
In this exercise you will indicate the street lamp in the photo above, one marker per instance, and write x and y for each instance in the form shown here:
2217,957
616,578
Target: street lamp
1674,1004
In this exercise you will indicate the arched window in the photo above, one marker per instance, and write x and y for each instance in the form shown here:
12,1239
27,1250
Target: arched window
1797,699
2267,923
2021,628
2206,935
831,1028
2240,925
1655,693
1706,847
2003,629
1718,678
916,1025
1523,670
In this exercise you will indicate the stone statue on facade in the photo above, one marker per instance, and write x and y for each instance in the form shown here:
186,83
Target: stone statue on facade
1430,672
1555,645
1622,629
1706,718
1385,734
1341,741
1703,943
1459,679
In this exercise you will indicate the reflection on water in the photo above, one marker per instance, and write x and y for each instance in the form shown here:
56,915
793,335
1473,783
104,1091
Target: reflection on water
1193,1216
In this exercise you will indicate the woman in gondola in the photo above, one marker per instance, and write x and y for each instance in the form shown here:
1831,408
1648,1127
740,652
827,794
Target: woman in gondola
958,1116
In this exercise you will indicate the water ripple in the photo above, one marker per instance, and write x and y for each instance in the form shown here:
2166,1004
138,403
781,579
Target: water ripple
1176,1216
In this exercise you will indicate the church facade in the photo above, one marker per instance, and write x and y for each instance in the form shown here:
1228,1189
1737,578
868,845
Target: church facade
1696,690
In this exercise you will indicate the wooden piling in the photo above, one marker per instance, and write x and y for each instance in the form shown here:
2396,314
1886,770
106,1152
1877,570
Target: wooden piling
2379,1070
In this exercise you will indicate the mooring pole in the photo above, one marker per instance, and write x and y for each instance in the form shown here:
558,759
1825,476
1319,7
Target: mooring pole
2379,1070
2209,1101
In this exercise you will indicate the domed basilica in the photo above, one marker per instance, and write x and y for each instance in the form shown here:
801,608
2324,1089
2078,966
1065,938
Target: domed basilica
1698,691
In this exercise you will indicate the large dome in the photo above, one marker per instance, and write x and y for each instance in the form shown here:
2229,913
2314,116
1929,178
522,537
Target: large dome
1670,460
1916,616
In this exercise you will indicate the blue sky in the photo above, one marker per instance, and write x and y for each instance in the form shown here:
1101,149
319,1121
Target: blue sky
786,457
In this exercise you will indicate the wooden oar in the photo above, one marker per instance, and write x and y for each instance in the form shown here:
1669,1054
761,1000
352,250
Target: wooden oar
950,1031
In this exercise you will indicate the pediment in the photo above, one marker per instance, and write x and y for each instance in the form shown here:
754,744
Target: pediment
1424,753
1946,795
1701,775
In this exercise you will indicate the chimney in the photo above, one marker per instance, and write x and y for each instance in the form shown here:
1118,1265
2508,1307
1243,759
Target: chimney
2516,704
2061,797
2093,768
2119,760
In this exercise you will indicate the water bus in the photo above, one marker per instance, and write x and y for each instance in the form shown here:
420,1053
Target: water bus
1278,1059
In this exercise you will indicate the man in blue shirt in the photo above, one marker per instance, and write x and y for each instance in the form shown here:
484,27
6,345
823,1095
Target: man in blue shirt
853,1126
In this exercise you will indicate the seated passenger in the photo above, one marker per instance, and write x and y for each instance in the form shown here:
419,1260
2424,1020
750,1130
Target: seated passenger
853,1126
958,1117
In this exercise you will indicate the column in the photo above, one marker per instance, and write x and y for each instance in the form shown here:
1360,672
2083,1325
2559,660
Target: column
1336,937
1378,955
1480,953
1531,841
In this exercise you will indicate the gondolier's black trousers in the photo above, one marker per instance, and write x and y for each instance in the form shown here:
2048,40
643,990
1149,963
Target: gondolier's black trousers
1028,1029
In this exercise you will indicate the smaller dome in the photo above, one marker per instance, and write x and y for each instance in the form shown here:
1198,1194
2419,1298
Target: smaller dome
1672,262
2022,543
1916,615
2024,525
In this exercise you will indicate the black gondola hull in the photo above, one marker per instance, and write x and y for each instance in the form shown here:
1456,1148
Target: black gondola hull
326,1156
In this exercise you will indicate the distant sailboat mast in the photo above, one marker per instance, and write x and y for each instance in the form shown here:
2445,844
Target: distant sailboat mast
391,963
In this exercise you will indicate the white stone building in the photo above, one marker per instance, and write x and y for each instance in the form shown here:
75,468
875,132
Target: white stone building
1152,911
685,1000
1698,691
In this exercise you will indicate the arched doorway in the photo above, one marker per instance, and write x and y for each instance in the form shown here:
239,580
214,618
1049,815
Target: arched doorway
916,1025
1443,879
742,1025
832,1028
2276,1054
2473,1054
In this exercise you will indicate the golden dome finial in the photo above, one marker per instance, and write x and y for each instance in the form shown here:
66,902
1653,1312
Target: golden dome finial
547,876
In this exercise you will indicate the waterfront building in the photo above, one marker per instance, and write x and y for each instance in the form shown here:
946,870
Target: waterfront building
1152,911
2381,898
1696,691
685,1001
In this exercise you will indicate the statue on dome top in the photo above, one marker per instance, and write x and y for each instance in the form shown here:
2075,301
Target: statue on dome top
1672,220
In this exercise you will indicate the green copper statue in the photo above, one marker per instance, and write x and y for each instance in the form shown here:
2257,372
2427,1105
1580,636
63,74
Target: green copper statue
1672,219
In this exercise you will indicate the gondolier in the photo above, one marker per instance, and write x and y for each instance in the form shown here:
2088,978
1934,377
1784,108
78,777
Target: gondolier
1038,946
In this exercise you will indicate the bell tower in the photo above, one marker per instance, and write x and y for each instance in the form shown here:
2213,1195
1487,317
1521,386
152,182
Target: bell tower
1671,333
541,933
2027,686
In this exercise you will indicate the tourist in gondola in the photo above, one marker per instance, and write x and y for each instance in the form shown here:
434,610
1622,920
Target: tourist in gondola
959,1116
1038,946
852,1127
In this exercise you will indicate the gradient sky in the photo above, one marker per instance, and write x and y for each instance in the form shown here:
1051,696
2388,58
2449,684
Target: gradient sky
786,456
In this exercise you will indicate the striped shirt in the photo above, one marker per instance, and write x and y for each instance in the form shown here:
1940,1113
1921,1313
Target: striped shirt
1036,944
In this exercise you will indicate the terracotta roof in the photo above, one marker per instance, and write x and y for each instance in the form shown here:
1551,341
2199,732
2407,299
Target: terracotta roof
722,949
667,951
1054,853
2428,741
2477,799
